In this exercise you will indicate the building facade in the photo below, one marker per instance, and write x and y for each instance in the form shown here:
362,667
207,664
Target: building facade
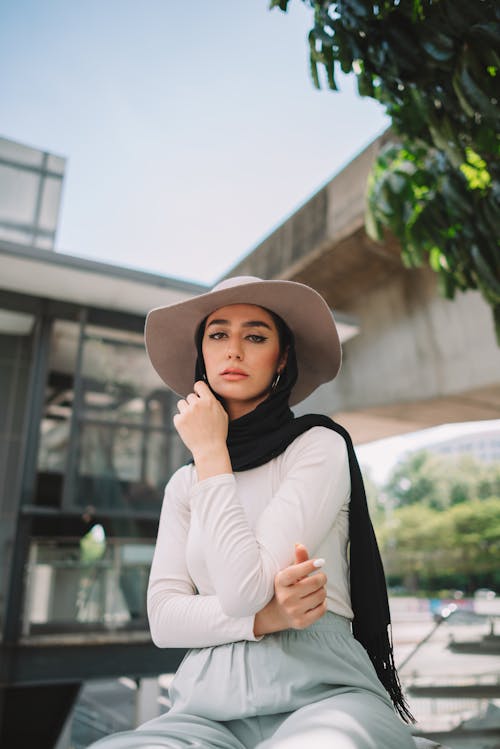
86,446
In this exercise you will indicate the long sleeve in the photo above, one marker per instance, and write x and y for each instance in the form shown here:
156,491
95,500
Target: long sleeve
242,562
178,616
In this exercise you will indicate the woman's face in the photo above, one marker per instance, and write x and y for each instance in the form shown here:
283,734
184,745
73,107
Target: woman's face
241,349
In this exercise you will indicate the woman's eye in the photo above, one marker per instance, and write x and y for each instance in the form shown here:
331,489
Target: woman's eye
255,338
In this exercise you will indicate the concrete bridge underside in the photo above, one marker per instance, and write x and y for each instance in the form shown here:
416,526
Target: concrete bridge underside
418,360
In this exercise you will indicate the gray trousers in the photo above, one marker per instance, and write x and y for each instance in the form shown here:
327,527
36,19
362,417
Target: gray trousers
299,688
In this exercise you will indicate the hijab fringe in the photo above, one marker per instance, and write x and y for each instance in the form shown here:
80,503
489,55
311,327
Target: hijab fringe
380,650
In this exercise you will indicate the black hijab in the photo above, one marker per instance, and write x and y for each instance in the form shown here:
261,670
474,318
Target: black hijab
264,433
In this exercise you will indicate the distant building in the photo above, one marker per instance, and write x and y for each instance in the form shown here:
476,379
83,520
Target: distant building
484,445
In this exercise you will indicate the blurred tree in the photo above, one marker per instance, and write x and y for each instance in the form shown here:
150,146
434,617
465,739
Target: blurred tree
488,484
440,520
463,539
435,66
373,496
420,478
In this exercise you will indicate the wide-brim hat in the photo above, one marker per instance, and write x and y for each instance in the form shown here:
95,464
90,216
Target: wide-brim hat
170,331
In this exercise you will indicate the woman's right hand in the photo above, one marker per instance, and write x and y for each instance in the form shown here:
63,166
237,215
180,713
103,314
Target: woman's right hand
299,597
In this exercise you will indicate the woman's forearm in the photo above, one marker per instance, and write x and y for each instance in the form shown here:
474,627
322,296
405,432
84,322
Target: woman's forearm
192,621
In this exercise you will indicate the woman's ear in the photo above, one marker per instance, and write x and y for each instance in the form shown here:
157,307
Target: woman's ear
282,360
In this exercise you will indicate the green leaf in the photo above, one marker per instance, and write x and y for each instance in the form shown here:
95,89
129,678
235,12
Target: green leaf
496,319
486,273
281,4
360,8
447,285
373,227
464,102
456,198
441,48
490,214
365,85
475,95
396,182
487,33
322,36
475,171
435,259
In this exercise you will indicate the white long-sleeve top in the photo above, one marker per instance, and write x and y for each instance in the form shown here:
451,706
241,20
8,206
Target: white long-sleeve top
222,540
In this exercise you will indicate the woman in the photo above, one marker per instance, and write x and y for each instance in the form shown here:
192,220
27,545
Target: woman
273,660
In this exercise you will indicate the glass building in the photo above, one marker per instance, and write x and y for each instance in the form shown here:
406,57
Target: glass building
30,194
86,447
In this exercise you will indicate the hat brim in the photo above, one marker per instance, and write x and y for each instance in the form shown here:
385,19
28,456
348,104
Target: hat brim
170,332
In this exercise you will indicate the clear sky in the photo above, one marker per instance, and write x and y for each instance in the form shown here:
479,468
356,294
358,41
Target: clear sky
191,129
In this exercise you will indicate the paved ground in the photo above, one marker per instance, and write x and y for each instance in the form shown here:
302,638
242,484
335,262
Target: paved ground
433,663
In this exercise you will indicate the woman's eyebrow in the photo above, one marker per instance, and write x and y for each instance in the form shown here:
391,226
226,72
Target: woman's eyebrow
256,324
248,324
218,322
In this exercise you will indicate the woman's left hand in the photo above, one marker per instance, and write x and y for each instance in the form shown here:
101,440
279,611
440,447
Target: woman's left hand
299,597
202,425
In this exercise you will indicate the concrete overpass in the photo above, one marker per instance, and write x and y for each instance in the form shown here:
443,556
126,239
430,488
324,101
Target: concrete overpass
418,360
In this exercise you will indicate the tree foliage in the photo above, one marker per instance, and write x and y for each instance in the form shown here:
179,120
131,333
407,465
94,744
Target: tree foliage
435,66
441,518
465,538
437,481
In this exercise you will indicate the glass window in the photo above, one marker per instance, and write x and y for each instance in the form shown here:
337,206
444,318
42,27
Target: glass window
56,163
125,437
12,151
44,243
92,583
18,194
30,194
51,197
55,426
106,436
119,384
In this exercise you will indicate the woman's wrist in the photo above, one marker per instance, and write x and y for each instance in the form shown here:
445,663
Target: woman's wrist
212,460
269,620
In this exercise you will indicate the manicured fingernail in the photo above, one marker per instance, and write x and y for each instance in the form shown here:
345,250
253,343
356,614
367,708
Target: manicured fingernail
318,562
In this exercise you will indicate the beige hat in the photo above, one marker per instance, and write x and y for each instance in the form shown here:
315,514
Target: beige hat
170,331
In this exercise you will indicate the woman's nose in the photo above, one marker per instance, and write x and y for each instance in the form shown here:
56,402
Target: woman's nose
234,351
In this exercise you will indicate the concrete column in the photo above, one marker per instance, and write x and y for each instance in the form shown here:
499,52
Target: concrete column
64,741
147,705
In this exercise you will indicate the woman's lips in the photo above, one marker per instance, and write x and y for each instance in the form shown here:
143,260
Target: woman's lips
233,374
